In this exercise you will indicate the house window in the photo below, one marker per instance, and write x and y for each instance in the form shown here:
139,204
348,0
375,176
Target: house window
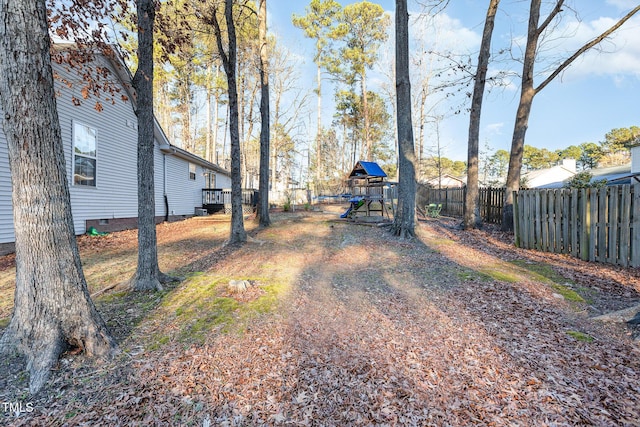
210,180
84,155
192,171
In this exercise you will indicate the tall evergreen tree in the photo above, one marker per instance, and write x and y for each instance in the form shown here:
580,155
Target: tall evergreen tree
318,24
363,28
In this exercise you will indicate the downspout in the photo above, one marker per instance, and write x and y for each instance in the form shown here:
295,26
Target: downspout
164,187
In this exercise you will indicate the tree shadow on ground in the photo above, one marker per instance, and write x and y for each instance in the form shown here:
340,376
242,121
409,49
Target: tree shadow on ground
605,287
455,350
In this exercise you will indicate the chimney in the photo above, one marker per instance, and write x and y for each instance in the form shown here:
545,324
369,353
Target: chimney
569,164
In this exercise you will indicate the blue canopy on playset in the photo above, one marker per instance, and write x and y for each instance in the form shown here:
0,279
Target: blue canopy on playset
367,169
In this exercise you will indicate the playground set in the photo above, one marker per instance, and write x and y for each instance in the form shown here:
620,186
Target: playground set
370,193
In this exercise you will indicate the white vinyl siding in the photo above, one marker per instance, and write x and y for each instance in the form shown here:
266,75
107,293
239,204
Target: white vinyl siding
184,194
115,194
223,181
635,159
6,211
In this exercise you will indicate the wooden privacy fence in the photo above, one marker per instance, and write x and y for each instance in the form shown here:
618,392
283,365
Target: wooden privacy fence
592,224
452,200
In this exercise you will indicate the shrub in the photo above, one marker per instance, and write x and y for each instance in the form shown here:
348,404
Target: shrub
584,180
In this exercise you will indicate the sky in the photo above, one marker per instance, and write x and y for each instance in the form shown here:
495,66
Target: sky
599,92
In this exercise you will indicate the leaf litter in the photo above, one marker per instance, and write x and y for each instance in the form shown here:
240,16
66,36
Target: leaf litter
371,331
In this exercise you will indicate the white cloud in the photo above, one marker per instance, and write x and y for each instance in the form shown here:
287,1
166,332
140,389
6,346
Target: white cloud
623,4
494,128
443,33
617,55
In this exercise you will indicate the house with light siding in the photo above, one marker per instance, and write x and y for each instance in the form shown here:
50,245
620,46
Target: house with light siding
100,147
553,177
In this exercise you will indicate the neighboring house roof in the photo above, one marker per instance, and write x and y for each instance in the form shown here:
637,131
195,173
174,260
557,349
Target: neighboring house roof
446,180
553,177
615,175
367,169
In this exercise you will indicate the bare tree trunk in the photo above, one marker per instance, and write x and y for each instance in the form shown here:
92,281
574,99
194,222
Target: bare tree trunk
423,100
216,114
148,276
472,218
241,123
528,92
319,154
263,207
404,221
238,233
365,113
207,148
52,307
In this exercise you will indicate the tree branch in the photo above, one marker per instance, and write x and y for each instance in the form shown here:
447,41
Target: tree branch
586,47
556,10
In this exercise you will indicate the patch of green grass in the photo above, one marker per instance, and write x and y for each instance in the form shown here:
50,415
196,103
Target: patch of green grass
541,271
267,302
465,275
201,306
113,296
4,322
474,275
158,341
502,276
546,274
580,336
568,293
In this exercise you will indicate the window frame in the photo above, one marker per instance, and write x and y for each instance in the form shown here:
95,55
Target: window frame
94,158
193,175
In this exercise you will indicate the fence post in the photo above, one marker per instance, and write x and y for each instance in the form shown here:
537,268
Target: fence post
585,225
635,231
516,219
625,225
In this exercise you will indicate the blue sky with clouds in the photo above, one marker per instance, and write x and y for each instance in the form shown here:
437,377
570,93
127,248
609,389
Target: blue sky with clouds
599,92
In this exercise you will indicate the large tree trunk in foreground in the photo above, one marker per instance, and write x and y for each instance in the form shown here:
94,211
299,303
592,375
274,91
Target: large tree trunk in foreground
472,218
147,276
263,207
52,307
404,221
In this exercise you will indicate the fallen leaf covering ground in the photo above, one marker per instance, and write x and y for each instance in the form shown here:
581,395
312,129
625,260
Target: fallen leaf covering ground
345,325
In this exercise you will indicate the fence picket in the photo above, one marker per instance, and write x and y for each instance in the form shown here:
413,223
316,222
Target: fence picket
625,225
635,227
573,213
593,224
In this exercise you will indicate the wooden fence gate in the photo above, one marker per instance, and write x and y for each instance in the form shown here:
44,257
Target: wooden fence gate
592,224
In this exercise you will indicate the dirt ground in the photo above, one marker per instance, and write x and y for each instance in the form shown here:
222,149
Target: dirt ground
345,325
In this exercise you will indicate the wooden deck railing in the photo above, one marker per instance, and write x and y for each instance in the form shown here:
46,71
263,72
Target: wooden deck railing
217,199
